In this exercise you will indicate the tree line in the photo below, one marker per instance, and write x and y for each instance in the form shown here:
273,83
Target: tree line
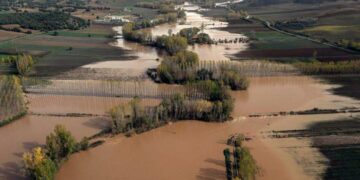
239,163
43,21
339,67
12,100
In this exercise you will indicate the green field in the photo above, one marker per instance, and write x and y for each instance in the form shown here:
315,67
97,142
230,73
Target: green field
67,50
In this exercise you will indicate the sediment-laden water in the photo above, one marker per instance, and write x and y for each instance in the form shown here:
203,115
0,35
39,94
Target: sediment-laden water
193,150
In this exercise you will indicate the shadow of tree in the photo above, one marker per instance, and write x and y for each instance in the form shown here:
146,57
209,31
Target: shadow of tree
211,174
11,171
98,123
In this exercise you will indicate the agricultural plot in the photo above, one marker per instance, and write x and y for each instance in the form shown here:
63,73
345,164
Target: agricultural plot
334,21
68,49
337,140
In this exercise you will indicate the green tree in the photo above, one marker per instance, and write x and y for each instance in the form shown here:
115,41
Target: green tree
38,166
229,173
24,64
60,144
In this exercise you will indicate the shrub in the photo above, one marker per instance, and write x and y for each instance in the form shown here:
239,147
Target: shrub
60,144
234,80
38,165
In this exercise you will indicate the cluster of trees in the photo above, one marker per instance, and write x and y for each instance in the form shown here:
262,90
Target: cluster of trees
12,100
242,165
340,67
43,163
163,7
172,44
296,23
133,117
350,44
143,36
135,31
193,36
43,21
24,64
183,68
179,68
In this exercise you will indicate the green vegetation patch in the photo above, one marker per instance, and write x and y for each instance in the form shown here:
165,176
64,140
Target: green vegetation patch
43,163
78,34
276,40
43,21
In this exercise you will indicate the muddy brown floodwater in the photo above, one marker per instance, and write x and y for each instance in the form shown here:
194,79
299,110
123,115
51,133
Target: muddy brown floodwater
193,149
30,131
26,133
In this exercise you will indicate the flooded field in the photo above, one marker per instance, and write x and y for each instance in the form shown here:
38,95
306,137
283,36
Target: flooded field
62,104
126,89
30,131
46,111
201,143
147,56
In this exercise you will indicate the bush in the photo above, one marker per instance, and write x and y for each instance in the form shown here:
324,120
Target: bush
60,144
234,80
38,165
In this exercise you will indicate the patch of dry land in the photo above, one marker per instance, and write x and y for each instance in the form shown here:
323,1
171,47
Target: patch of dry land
193,150
6,35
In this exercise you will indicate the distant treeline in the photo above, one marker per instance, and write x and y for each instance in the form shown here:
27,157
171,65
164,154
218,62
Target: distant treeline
44,21
162,7
318,68
297,24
